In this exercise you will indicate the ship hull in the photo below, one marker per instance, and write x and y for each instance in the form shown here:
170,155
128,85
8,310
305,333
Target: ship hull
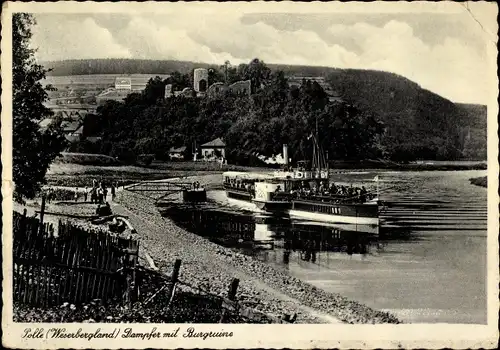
244,196
272,206
357,214
361,214
333,218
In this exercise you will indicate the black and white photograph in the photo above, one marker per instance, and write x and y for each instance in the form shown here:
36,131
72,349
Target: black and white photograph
257,174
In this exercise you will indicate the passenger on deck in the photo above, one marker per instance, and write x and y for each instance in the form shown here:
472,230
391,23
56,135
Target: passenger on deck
362,195
333,189
321,188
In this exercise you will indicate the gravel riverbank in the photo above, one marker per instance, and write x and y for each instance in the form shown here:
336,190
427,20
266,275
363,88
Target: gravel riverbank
212,267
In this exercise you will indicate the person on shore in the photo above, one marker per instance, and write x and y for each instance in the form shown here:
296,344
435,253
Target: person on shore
100,195
85,195
76,194
106,209
113,192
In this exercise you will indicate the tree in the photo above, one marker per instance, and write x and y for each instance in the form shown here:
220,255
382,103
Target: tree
155,90
215,76
33,149
257,72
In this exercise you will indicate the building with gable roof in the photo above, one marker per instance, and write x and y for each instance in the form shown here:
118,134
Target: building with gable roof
177,153
214,150
73,130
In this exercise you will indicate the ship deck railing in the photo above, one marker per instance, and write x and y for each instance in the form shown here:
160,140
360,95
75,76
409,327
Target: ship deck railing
338,199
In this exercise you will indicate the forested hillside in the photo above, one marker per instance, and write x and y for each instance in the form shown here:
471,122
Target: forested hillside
418,123
474,121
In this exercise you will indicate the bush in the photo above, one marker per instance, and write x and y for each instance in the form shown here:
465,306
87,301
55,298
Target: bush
124,152
145,159
61,194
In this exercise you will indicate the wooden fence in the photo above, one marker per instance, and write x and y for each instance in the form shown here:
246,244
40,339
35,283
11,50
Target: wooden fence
75,266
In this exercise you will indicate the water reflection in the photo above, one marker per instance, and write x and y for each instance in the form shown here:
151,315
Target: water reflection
253,235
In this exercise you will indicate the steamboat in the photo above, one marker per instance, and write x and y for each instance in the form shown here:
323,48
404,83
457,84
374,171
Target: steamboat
305,192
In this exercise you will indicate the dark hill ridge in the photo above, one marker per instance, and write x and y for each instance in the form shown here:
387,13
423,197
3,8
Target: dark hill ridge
141,66
417,120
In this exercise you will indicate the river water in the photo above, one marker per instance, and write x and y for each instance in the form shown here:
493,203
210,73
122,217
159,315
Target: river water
425,263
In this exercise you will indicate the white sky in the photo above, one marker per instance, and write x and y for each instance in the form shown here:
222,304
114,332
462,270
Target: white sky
445,53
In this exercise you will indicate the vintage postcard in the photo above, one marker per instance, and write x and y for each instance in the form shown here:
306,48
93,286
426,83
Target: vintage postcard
250,175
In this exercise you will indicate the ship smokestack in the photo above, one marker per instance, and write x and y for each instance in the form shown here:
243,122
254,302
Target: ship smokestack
285,153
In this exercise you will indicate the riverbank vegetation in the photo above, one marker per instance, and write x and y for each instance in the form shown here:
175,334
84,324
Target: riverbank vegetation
479,181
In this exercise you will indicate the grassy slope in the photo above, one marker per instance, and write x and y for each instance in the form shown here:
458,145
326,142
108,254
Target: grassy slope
80,174
86,159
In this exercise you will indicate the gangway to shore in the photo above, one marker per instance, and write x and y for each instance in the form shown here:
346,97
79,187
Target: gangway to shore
159,190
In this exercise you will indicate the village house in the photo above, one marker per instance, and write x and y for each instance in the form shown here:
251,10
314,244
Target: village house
73,130
214,150
177,153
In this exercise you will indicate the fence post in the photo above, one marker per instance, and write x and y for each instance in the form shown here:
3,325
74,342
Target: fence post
175,279
231,295
23,221
42,210
130,265
42,213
